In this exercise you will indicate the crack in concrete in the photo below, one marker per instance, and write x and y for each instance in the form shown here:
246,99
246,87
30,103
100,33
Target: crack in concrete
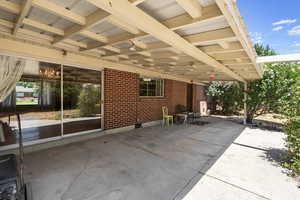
77,176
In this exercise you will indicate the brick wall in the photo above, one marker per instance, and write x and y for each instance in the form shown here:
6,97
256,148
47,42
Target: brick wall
124,107
120,93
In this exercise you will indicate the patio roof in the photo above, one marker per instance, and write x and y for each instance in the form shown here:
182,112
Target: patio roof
279,58
187,40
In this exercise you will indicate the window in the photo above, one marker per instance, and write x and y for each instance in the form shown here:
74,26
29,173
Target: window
150,87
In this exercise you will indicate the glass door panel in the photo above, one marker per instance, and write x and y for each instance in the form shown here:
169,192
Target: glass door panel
81,100
37,98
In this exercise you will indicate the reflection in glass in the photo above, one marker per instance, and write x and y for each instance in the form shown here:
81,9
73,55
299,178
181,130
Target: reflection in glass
81,97
37,98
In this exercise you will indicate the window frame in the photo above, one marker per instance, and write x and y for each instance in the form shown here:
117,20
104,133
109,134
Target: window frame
162,89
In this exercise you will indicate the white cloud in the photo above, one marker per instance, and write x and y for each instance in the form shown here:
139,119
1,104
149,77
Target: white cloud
284,21
296,44
277,28
295,30
256,37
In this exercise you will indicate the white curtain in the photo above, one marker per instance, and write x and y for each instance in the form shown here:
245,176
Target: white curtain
11,70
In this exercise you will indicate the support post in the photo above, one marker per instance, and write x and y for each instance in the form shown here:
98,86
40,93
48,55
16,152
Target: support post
245,103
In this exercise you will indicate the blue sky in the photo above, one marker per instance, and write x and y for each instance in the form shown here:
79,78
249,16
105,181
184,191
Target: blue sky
273,22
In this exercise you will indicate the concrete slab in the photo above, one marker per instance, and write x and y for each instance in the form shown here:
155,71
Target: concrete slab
156,163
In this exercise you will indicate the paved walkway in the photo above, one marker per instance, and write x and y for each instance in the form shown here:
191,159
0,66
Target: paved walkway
221,160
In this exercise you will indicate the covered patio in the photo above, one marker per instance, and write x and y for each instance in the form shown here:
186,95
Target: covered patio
220,160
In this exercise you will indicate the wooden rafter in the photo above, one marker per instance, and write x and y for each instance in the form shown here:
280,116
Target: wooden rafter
225,49
91,20
24,12
233,18
136,2
233,47
192,7
210,13
10,6
197,39
40,36
123,9
59,11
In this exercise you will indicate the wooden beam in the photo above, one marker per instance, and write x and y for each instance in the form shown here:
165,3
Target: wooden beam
230,56
197,39
28,50
112,48
43,27
224,44
211,37
136,2
94,36
123,9
234,62
192,7
24,12
58,10
279,58
10,6
232,15
212,49
122,24
40,36
7,24
91,20
210,14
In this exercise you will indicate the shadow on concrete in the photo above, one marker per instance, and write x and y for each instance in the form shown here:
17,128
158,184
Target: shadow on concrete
146,163
277,157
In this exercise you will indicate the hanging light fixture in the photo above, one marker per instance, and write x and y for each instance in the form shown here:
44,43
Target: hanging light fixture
132,47
49,72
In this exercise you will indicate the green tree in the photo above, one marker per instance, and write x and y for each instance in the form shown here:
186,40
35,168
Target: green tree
88,99
228,95
262,50
264,96
267,94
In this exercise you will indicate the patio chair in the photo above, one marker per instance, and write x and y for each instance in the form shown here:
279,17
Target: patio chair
181,115
166,117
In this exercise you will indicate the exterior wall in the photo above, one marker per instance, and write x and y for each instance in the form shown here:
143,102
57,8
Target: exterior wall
120,95
124,107
198,95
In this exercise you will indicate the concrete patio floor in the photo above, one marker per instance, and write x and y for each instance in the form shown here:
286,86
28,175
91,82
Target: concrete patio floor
220,160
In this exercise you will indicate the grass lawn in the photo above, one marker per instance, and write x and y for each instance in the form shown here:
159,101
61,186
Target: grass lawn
28,102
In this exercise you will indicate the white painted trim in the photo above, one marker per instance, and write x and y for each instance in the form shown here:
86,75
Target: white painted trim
279,58
37,145
52,61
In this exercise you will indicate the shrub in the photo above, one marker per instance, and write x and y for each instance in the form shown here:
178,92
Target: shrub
291,109
88,99
293,144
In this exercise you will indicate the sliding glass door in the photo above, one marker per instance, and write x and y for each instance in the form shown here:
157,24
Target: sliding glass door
54,100
81,100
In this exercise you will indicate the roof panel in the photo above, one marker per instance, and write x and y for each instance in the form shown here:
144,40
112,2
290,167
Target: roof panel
42,16
161,10
63,24
16,1
218,23
84,8
7,16
149,39
106,29
66,4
